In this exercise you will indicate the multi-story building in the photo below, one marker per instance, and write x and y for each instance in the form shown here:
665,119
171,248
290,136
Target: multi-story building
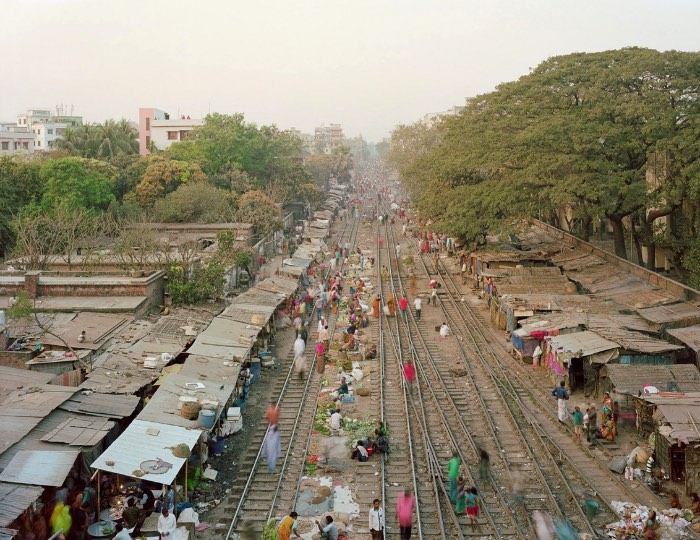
326,138
159,129
15,138
46,126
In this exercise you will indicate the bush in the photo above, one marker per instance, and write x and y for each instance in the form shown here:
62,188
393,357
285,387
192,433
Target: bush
203,283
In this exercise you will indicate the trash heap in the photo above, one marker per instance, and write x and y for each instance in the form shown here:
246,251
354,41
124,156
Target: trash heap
670,524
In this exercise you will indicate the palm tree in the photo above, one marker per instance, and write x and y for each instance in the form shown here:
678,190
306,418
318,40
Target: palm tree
101,141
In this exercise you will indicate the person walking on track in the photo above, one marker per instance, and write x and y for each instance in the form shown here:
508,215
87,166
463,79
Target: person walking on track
562,396
403,306
453,473
409,373
376,521
405,504
418,304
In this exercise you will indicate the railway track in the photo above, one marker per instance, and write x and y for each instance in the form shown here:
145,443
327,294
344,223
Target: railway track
261,494
522,388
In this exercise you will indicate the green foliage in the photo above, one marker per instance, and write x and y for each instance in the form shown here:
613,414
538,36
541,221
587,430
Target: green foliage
257,208
203,282
163,176
195,203
102,141
576,133
22,310
77,182
229,251
20,185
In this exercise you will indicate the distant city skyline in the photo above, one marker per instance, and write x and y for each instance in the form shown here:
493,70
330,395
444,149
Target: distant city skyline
366,65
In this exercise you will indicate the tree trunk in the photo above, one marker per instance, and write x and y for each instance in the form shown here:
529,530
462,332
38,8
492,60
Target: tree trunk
637,245
651,256
619,237
586,228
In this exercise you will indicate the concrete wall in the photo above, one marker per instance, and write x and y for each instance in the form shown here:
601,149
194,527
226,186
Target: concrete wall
674,287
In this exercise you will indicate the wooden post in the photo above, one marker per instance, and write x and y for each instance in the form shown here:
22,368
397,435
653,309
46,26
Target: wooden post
186,461
99,506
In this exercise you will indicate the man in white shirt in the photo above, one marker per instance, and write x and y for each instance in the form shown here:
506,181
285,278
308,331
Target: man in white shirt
418,303
166,524
398,251
336,419
444,330
376,521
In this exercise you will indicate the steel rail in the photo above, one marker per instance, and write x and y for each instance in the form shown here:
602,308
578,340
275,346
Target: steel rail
256,462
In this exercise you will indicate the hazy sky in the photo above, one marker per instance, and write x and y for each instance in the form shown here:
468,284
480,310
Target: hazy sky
367,64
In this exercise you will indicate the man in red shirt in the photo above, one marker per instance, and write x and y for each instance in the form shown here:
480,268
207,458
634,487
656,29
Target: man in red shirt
403,306
409,373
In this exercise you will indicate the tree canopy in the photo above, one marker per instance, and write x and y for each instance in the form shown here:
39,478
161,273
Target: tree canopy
576,134
77,182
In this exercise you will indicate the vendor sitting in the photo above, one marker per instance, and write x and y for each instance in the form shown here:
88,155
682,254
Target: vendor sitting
343,388
352,328
359,451
349,344
131,514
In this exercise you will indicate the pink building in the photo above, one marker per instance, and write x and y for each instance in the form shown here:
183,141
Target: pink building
146,117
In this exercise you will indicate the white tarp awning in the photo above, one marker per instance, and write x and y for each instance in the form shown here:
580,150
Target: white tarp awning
147,441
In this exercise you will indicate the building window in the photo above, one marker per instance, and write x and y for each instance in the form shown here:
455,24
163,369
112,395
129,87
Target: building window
38,131
25,145
172,135
38,143
148,142
5,145
184,135
49,131
148,123
17,146
59,131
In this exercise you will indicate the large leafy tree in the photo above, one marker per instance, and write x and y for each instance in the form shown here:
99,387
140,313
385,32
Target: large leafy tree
163,176
257,208
77,182
20,185
196,203
577,134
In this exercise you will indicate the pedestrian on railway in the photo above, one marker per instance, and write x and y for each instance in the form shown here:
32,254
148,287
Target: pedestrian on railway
304,333
391,305
326,339
272,448
418,304
405,504
460,496
592,425
444,331
577,417
375,307
472,505
453,473
376,521
434,297
409,373
398,253
272,414
484,465
300,357
403,306
320,358
562,396
287,526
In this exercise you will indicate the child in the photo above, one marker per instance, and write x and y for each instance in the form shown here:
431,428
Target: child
578,420
472,505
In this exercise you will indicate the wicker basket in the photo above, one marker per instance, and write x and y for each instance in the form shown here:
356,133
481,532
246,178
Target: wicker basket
190,410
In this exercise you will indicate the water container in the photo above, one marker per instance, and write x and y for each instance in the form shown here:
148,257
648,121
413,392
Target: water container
206,418
255,369
591,508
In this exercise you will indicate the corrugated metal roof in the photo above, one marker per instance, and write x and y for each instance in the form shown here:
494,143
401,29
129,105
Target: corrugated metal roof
211,370
13,378
690,336
630,379
35,401
586,343
105,405
32,440
226,339
671,313
118,375
13,428
244,312
163,406
40,468
80,431
15,499
98,328
147,441
278,285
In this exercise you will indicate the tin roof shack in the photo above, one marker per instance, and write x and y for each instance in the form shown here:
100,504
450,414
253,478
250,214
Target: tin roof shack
572,357
690,337
489,260
668,316
674,418
626,382
508,309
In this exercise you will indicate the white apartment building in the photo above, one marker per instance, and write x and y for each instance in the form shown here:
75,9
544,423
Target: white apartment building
14,138
46,126
159,129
